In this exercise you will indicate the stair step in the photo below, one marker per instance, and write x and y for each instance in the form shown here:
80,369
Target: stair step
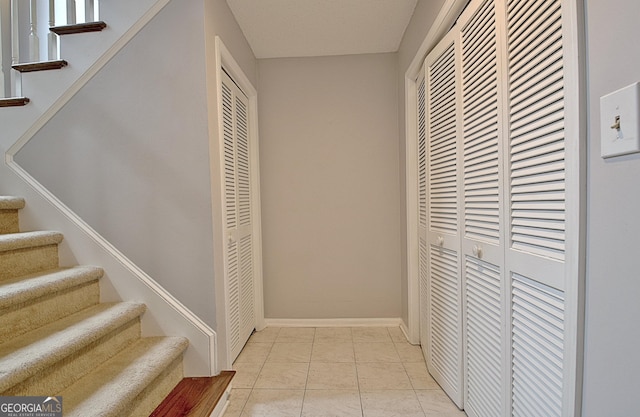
78,28
25,240
40,66
129,382
33,353
14,101
11,203
9,206
28,252
195,397
32,301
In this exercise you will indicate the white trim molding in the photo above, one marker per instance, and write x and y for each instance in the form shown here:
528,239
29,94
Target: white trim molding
354,322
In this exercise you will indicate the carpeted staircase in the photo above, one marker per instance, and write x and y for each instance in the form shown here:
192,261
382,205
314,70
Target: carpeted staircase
56,338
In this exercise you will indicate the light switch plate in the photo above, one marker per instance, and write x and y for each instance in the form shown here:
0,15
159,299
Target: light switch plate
620,122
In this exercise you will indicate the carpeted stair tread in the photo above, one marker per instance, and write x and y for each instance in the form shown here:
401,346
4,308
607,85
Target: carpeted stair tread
30,353
23,289
11,203
13,241
110,389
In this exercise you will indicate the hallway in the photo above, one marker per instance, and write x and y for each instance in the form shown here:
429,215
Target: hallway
341,372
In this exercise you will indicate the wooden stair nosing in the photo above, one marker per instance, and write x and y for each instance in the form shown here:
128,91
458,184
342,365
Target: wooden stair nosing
40,66
194,397
14,101
78,28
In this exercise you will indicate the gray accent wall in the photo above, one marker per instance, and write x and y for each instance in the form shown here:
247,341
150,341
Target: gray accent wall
612,364
330,187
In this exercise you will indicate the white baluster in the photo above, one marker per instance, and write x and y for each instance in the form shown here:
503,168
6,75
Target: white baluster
52,38
16,87
34,41
89,11
71,12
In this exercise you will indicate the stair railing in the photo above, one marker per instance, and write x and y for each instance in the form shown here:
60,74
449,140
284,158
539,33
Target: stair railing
22,25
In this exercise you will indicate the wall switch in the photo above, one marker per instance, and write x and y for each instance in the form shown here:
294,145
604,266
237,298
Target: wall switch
620,122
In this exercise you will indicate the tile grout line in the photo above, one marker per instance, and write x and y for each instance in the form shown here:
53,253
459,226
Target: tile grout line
355,364
306,382
259,372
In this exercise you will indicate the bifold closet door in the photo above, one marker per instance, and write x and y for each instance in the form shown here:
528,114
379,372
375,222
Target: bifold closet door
239,256
483,246
443,349
542,322
500,170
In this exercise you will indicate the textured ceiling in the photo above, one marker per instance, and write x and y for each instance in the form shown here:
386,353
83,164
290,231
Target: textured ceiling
295,28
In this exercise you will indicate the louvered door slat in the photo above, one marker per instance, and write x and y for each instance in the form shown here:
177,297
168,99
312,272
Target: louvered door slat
422,155
480,124
246,273
534,26
444,317
538,348
484,338
243,163
231,218
441,82
233,294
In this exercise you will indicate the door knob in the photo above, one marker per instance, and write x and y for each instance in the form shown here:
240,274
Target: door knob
477,251
440,241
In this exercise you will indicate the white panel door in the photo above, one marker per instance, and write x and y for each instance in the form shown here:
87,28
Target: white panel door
483,219
239,255
443,348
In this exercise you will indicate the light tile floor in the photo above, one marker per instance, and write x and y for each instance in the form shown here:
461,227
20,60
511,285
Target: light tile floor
334,372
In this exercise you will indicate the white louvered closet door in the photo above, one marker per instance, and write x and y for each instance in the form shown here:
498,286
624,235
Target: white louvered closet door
504,214
444,323
541,326
239,268
483,221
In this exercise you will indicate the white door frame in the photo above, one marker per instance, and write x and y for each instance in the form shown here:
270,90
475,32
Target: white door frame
224,59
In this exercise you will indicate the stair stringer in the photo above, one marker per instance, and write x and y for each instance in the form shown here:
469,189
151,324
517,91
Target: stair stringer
123,280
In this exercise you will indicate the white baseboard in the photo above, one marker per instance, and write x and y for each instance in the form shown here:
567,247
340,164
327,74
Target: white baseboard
405,331
368,322
221,408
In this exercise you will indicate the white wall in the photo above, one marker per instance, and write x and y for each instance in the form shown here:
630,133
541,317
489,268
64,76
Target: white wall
612,364
423,17
330,187
221,22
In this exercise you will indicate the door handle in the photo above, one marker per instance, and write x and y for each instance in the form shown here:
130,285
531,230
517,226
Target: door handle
477,251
